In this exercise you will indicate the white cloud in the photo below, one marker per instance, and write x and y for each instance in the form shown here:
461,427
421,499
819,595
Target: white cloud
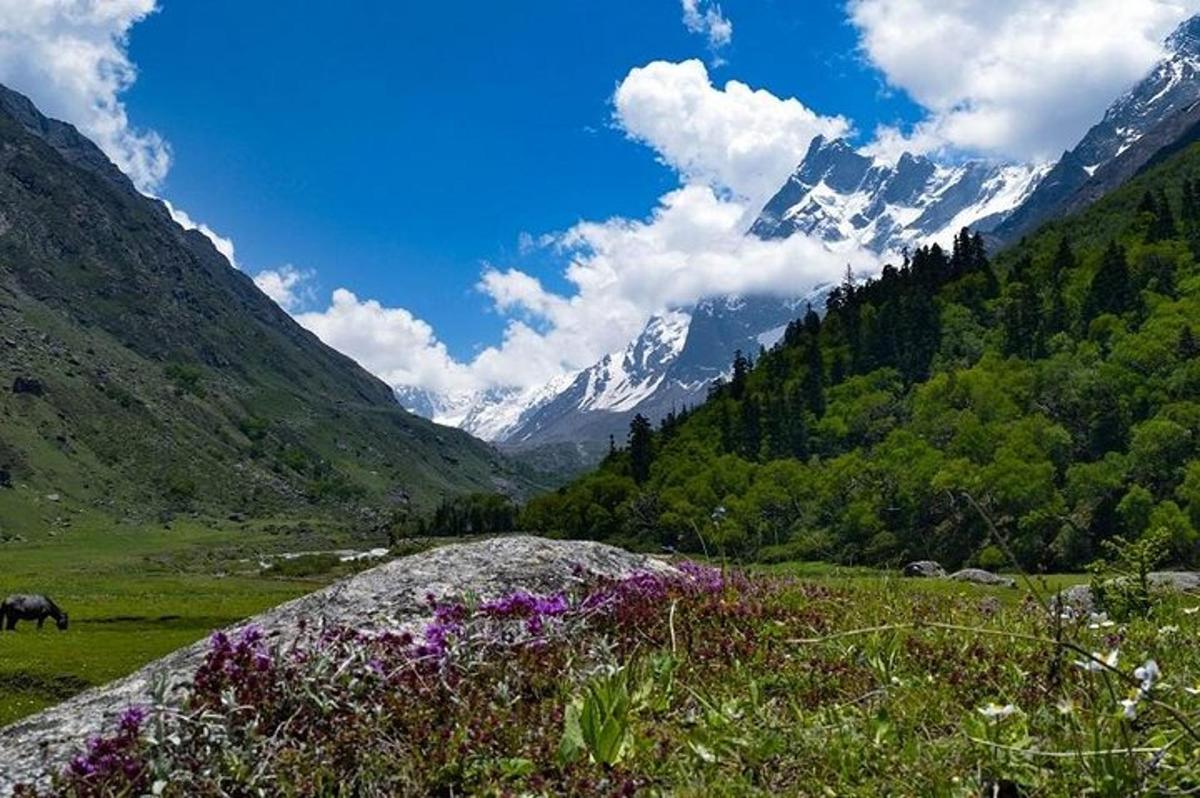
223,244
288,286
621,272
732,148
736,138
1021,78
69,57
390,342
705,18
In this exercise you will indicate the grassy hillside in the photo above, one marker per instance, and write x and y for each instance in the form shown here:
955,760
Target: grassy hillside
1052,390
140,373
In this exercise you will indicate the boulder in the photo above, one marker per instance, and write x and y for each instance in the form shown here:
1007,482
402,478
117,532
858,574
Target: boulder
389,597
979,576
28,385
1076,599
926,569
1080,599
1185,581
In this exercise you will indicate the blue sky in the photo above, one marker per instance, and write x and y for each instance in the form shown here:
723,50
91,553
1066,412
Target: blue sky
462,197
393,147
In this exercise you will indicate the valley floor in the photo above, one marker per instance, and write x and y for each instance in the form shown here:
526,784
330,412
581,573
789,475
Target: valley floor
796,679
135,592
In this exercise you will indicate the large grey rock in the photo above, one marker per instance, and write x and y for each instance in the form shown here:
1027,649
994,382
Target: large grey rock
927,569
979,576
391,596
1185,581
1082,599
1076,599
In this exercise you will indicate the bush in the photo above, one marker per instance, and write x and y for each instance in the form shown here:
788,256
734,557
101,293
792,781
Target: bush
991,558
304,565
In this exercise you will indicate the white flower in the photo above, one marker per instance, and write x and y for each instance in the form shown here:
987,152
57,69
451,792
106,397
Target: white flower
1100,621
1168,631
1191,610
995,712
1129,708
1109,660
1148,674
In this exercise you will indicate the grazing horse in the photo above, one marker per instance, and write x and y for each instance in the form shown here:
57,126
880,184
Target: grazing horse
30,608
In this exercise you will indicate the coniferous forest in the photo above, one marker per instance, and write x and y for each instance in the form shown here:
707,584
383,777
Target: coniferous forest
1052,390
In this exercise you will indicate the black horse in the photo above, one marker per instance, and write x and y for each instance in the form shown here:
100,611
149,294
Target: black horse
30,608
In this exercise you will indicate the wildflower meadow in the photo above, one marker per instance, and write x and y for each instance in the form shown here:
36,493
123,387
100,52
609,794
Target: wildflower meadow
699,681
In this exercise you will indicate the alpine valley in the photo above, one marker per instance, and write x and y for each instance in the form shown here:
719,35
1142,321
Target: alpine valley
842,196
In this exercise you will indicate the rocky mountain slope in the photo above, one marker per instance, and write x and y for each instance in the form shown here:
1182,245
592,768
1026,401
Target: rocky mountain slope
1172,87
141,371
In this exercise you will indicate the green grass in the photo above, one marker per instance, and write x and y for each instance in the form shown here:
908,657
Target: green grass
718,683
137,592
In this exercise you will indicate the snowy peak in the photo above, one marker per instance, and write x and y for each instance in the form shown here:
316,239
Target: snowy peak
622,380
840,195
1169,90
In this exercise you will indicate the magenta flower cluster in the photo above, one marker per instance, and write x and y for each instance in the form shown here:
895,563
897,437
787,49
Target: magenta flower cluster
114,760
261,680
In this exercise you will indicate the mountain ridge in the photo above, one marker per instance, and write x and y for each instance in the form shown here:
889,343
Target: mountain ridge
148,372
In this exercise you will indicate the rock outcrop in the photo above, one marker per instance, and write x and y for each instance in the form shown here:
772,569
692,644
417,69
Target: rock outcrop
1082,599
392,596
979,576
924,569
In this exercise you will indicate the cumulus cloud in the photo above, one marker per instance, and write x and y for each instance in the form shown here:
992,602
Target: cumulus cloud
69,57
731,146
390,342
734,137
290,287
621,271
1022,79
704,17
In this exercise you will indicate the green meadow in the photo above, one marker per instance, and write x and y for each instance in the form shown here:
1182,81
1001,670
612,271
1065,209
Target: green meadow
137,591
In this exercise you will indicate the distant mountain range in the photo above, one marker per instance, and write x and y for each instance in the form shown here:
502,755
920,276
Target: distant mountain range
838,195
140,372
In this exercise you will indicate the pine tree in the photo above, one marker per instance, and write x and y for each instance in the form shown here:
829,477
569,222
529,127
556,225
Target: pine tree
751,428
837,370
1164,221
741,369
1188,211
797,428
1057,315
812,322
641,448
1111,290
814,381
725,427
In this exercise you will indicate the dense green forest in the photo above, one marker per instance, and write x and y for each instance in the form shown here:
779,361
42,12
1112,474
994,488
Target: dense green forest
1053,390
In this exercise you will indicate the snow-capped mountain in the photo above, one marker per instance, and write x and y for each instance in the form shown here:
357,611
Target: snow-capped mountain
669,366
1171,88
839,194
491,414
